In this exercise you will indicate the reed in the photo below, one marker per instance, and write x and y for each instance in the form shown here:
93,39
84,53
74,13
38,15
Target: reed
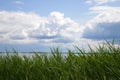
100,64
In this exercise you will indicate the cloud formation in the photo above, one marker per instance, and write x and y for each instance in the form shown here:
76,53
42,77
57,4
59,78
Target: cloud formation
21,27
106,25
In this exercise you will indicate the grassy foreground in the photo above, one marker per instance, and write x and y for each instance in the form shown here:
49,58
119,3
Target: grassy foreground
100,64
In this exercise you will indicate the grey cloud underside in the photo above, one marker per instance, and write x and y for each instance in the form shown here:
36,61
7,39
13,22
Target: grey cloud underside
103,31
45,37
55,39
63,40
17,38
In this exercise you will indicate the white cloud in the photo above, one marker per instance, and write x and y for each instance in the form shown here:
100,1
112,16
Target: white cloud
99,2
100,9
19,2
106,25
106,14
103,1
21,27
89,2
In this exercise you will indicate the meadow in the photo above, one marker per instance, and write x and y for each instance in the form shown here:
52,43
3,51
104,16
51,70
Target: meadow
102,63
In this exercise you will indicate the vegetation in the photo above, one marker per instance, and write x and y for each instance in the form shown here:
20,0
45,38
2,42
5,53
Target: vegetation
100,64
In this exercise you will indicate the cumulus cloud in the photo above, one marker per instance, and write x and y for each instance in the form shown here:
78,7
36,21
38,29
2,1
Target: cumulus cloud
106,25
21,27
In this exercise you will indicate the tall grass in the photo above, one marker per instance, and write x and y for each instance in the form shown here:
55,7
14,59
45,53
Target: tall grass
100,64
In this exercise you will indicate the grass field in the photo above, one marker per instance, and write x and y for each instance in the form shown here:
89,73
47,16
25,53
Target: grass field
100,64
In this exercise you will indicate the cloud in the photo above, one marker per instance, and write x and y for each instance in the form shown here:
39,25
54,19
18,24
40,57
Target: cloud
103,31
104,1
89,2
99,2
25,31
21,27
106,9
106,25
18,2
63,40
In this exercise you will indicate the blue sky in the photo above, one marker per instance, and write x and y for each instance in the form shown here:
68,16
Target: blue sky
44,7
42,24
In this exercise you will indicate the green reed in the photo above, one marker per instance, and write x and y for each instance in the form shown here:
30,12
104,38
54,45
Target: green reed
103,63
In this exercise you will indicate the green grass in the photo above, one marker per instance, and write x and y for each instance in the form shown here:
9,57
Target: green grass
100,64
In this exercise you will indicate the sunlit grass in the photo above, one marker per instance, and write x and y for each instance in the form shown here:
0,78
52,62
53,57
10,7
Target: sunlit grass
100,64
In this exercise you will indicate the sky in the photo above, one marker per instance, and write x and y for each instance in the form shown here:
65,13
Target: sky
38,25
